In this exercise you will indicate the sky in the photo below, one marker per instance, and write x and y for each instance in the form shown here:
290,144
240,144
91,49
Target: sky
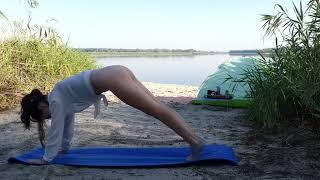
213,25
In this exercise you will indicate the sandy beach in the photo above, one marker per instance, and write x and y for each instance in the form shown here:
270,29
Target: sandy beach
261,155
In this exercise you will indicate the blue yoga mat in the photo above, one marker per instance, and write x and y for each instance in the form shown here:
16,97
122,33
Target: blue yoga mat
133,157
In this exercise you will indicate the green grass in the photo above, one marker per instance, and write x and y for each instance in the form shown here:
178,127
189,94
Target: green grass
286,86
237,103
34,56
28,63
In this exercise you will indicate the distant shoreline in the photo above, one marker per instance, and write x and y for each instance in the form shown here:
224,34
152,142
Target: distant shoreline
160,54
108,52
145,54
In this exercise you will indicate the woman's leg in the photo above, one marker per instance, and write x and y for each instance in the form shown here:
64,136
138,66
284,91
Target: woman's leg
121,82
133,77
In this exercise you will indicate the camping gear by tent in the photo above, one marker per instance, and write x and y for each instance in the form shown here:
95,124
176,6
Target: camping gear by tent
218,80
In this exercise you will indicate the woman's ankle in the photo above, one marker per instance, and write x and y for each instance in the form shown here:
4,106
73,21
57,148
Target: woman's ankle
199,141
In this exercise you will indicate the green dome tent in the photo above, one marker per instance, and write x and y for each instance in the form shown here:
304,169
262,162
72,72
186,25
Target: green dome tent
233,68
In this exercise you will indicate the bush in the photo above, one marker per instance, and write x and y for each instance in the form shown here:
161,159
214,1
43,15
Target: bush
286,85
28,63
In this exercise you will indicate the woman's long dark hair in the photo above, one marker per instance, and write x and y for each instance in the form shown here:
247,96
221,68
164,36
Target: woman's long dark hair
30,111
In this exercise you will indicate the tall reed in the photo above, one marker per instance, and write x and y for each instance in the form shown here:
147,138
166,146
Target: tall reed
34,56
286,86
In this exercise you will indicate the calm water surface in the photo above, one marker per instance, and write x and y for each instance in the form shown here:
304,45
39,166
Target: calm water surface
186,70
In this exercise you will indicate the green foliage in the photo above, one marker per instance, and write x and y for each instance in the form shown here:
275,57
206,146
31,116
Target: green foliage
286,85
28,64
33,3
236,103
2,15
34,56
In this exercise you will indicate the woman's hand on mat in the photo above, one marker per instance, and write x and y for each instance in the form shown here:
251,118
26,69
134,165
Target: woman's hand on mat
37,161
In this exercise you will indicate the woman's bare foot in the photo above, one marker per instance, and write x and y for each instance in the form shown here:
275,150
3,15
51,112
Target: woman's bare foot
196,150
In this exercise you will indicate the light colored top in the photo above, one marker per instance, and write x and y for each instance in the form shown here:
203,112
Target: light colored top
69,96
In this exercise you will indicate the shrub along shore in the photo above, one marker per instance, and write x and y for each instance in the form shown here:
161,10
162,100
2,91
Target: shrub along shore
285,87
35,63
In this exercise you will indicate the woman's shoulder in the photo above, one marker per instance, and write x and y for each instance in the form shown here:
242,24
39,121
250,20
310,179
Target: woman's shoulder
56,97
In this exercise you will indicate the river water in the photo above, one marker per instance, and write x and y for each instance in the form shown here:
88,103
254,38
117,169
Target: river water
184,70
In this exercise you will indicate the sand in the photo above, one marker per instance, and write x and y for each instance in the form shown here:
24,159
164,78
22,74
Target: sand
119,125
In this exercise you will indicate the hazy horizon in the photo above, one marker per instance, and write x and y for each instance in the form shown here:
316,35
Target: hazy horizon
201,25
165,49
